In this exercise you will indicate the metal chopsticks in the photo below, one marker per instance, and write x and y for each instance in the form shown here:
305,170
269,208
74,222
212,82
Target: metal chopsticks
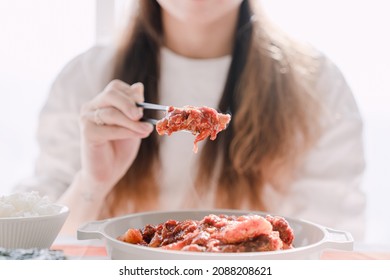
152,106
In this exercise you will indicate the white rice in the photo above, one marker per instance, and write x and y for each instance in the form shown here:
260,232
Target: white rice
26,204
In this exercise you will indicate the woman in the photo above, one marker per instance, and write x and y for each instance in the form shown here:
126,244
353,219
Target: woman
293,148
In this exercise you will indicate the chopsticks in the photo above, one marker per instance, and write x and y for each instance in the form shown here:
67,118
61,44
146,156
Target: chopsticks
152,106
149,120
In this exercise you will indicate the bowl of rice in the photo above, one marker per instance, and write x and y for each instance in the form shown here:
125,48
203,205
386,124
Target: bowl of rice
28,220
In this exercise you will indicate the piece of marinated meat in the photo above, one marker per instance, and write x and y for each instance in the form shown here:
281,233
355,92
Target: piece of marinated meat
200,121
285,231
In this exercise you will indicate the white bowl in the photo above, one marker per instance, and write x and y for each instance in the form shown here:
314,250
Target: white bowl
32,232
310,239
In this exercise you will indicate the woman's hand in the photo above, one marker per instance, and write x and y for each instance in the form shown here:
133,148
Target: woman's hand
111,135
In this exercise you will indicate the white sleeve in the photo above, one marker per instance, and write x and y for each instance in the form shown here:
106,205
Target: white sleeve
58,133
327,189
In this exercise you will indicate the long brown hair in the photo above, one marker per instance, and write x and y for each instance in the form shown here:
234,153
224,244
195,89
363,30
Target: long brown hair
273,113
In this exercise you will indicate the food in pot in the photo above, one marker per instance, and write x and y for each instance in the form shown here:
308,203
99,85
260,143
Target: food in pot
218,234
201,121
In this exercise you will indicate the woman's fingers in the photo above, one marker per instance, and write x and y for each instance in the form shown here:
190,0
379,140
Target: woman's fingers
110,124
110,116
113,114
136,90
108,133
121,96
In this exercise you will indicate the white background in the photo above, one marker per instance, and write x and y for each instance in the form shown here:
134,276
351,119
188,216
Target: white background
38,37
280,269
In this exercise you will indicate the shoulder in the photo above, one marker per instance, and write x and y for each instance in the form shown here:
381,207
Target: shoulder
319,75
82,78
332,89
93,64
328,75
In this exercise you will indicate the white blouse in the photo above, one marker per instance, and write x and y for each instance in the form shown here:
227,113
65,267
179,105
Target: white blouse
326,191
